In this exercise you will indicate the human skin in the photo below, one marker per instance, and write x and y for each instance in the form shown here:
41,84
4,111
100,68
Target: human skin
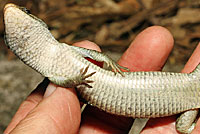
57,109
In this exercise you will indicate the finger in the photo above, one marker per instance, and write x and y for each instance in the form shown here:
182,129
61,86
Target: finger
189,67
37,95
169,121
193,61
30,103
57,113
149,50
143,54
90,45
87,44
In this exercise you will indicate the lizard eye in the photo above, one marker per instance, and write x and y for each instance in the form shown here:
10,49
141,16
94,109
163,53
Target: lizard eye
25,10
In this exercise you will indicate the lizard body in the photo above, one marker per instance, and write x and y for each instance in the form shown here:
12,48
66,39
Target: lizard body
130,94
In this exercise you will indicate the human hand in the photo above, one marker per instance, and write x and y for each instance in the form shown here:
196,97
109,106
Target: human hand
57,110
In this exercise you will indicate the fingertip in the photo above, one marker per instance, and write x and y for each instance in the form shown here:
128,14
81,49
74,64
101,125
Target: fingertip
158,35
149,50
87,44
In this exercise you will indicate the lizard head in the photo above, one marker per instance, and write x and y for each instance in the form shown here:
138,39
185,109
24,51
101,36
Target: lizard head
27,36
23,30
16,14
20,26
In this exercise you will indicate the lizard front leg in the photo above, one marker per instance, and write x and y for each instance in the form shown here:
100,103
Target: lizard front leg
186,122
71,82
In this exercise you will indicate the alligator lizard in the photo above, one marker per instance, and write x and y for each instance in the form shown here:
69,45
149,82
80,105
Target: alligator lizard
130,94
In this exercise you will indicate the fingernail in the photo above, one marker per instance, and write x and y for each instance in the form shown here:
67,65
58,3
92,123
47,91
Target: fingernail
49,90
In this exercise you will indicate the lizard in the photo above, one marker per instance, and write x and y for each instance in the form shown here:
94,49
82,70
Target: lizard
139,95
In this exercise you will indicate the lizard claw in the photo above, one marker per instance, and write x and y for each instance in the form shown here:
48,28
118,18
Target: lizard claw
116,67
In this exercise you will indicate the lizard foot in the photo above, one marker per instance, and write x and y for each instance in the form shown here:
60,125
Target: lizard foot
82,79
116,67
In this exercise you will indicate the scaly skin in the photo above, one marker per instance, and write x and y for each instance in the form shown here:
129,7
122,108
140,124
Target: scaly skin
130,94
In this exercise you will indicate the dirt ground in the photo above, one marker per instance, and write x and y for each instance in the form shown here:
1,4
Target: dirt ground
112,24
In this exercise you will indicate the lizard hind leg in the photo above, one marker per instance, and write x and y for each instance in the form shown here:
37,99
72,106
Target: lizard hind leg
83,76
95,55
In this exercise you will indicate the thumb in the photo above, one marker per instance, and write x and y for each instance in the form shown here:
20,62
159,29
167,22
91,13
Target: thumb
58,112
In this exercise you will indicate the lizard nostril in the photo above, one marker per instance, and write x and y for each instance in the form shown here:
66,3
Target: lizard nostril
25,10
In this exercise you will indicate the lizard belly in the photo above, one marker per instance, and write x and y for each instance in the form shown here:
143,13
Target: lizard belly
140,95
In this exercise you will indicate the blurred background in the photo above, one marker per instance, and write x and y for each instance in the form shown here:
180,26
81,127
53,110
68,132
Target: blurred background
112,24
